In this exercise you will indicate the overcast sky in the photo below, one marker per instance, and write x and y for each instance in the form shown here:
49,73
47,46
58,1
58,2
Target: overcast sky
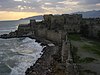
15,9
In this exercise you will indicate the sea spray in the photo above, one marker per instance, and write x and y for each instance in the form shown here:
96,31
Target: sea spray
18,54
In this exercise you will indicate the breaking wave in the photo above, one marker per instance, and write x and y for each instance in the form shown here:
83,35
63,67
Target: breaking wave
21,54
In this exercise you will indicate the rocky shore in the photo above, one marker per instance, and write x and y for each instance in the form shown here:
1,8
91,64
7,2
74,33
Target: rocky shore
50,61
43,66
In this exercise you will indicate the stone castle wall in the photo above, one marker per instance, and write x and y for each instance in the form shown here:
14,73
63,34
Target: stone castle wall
54,36
69,23
51,35
67,59
41,33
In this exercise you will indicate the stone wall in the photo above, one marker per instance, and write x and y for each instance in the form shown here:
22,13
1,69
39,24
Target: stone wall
23,29
64,52
41,33
67,59
67,22
54,36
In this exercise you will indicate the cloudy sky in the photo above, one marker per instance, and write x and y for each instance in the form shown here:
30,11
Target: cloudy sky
16,9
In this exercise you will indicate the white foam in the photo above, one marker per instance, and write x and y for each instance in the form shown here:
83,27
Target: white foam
51,44
28,40
6,44
30,51
24,62
8,66
29,46
13,50
20,69
1,53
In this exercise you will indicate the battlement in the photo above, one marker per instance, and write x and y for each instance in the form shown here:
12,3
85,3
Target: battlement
70,23
67,22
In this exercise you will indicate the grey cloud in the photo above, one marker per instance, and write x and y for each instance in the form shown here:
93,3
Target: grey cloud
36,5
92,1
89,2
11,5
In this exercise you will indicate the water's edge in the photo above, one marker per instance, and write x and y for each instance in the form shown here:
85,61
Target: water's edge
20,55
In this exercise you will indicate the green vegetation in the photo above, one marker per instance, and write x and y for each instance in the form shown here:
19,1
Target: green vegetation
96,44
77,58
84,60
87,60
74,37
74,53
92,48
84,45
90,72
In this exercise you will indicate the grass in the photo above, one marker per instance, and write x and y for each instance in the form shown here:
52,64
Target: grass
87,60
78,59
94,48
74,37
96,44
90,72
90,46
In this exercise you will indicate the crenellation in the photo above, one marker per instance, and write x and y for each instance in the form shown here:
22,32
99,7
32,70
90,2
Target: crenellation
23,29
32,24
69,23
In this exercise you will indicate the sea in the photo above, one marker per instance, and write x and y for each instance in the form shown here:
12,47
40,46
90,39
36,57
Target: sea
17,54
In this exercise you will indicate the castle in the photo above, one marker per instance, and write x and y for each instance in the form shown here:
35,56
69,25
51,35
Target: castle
66,22
71,23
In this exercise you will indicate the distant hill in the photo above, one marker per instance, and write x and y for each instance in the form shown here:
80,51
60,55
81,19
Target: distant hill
39,17
90,14
87,14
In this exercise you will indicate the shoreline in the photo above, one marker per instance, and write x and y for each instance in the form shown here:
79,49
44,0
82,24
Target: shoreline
46,58
50,62
45,50
44,65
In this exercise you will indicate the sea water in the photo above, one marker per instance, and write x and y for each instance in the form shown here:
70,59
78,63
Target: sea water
17,54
